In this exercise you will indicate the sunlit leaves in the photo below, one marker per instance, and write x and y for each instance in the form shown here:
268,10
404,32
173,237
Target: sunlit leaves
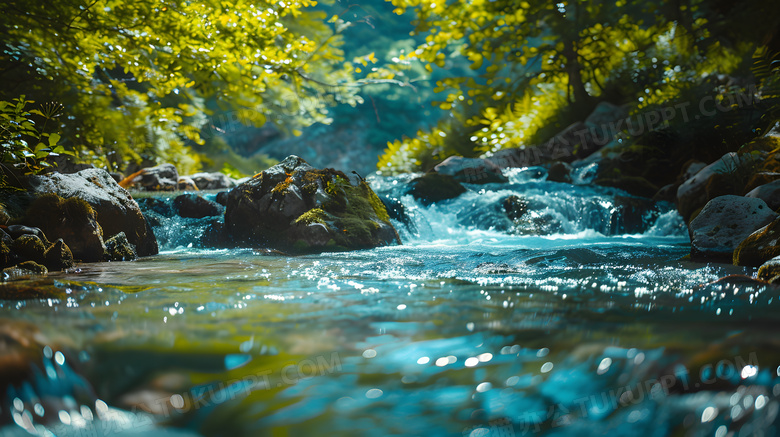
137,76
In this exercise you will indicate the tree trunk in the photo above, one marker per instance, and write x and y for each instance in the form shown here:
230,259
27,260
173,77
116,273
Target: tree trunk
574,71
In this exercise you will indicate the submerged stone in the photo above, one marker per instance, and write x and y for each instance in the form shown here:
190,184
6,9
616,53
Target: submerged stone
195,206
434,187
294,206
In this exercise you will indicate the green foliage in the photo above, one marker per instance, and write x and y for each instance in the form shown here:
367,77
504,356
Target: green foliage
141,79
22,142
542,65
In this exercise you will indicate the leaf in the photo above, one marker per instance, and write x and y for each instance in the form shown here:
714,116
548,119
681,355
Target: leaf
53,139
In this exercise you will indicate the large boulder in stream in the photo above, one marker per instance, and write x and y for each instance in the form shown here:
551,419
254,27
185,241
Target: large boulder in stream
115,208
724,223
293,206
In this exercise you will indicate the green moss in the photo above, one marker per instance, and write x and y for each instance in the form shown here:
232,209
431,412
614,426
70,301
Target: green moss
76,208
33,267
282,186
4,216
29,248
376,204
314,215
119,249
5,255
49,211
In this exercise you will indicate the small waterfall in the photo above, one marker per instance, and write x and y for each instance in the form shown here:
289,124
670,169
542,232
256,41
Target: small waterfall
527,205
171,229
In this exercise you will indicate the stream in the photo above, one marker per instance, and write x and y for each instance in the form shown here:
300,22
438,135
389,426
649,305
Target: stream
581,317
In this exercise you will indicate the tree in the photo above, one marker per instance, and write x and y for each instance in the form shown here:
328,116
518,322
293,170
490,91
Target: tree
140,79
542,65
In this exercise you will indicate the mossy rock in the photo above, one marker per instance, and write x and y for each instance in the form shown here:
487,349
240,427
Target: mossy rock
73,220
295,207
24,270
119,249
58,256
4,216
758,179
5,254
770,270
759,247
29,248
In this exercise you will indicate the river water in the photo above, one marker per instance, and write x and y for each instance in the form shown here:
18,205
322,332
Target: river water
582,317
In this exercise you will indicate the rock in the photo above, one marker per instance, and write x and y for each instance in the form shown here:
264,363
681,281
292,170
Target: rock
58,256
560,172
470,170
194,206
769,193
212,181
29,248
16,231
116,210
6,257
4,216
163,177
759,179
515,207
159,206
116,176
396,210
26,268
434,187
692,194
724,223
770,270
222,197
631,214
119,249
690,169
186,184
667,193
760,246
73,220
294,206
5,237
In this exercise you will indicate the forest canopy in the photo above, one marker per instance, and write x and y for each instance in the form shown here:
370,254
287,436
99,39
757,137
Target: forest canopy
139,80
121,84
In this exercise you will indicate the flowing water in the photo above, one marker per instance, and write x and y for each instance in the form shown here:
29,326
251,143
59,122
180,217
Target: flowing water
581,317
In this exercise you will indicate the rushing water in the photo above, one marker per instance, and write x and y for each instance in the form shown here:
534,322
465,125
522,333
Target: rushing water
580,318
